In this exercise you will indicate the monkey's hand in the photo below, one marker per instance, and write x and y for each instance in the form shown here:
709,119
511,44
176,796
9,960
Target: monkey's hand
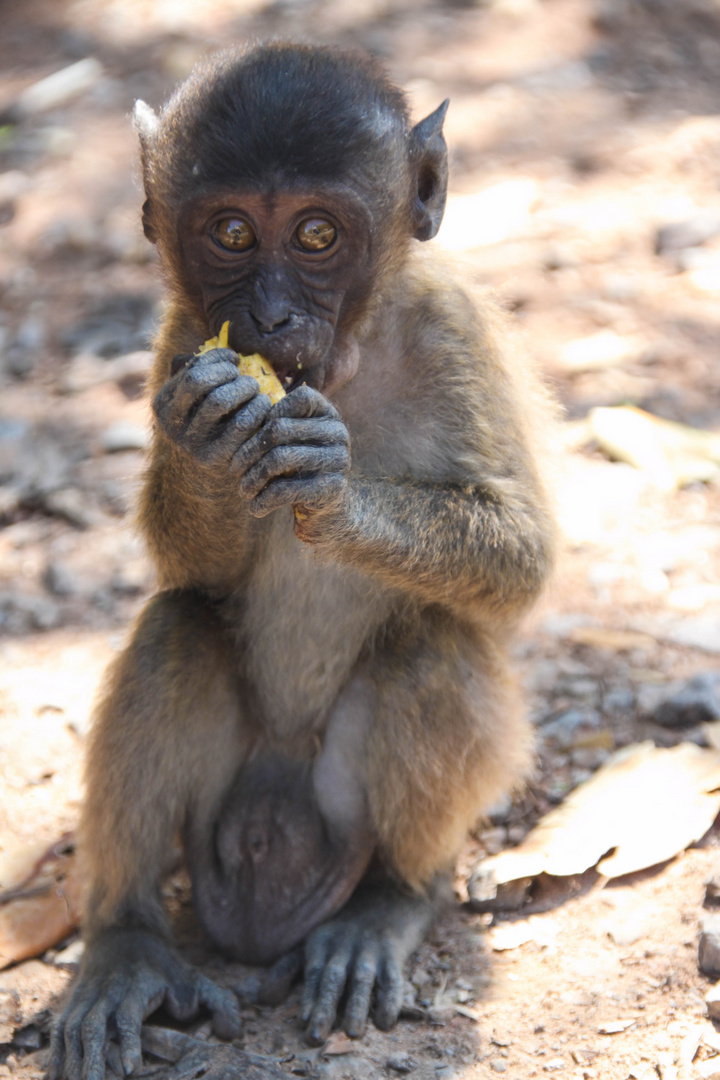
125,976
208,409
364,949
299,457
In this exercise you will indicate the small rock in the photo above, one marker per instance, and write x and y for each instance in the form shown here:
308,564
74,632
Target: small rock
29,1038
601,350
124,436
70,957
499,811
69,503
401,1062
563,728
589,757
619,699
709,947
687,234
59,580
420,977
554,1065
484,894
712,1000
628,930
694,702
494,840
498,1065
701,632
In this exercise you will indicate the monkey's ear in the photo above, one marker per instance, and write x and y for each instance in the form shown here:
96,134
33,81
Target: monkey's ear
146,124
428,155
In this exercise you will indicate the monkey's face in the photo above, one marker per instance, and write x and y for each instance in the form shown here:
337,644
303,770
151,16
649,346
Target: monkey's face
289,271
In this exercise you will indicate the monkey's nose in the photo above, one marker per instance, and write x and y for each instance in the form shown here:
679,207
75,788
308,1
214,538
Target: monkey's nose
270,322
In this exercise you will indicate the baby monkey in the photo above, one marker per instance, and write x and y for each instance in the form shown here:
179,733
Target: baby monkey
319,699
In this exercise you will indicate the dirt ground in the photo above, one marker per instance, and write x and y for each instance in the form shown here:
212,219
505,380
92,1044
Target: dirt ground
579,131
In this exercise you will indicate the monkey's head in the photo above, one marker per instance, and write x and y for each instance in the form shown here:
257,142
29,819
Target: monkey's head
284,186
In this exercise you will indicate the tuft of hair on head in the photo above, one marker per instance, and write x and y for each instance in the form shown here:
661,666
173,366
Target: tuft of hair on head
145,120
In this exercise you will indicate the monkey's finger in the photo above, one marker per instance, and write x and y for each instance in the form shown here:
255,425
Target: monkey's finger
128,1021
313,492
94,1036
174,401
286,460
391,985
223,1005
71,1027
221,403
303,401
57,1052
361,988
288,432
277,983
332,984
316,951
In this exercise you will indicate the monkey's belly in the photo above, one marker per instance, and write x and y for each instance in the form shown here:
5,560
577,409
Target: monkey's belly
269,871
305,623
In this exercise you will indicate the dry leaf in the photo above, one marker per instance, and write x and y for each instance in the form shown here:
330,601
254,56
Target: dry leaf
43,910
672,454
645,805
615,1027
600,637
339,1044
471,1014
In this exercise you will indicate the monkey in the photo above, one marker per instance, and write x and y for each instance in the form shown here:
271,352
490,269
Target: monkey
319,699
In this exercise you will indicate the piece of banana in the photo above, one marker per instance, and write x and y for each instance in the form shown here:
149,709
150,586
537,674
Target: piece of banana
256,365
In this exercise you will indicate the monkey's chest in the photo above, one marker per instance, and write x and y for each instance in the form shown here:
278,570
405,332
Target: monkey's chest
303,626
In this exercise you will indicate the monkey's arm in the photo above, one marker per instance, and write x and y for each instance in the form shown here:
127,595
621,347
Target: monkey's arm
483,543
446,544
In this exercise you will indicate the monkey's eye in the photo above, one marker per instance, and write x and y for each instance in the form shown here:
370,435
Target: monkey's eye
315,234
233,234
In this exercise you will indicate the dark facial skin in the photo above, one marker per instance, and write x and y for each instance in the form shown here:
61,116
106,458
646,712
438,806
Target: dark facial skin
284,269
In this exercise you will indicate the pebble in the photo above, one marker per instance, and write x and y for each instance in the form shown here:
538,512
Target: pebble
563,727
484,894
499,811
59,580
619,699
601,350
712,1000
589,757
687,234
117,325
69,503
702,632
401,1062
712,893
696,701
709,947
124,436
70,957
498,1065
494,840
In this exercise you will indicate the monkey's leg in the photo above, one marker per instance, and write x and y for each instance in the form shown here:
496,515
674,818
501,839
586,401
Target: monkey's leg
447,736
166,743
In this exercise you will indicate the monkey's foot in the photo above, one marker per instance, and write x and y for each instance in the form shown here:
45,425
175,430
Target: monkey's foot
363,950
127,975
